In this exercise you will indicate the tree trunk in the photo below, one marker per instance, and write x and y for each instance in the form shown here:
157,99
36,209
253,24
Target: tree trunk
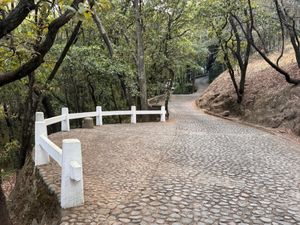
115,101
28,121
92,91
169,90
8,121
140,63
63,54
242,82
46,102
124,89
232,77
103,33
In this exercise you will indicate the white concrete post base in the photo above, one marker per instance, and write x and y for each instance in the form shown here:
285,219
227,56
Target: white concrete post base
99,120
72,178
133,114
65,124
41,157
163,114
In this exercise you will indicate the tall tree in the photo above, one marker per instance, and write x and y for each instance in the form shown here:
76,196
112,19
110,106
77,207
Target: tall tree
140,58
235,48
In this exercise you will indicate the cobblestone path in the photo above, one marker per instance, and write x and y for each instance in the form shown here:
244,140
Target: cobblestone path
194,169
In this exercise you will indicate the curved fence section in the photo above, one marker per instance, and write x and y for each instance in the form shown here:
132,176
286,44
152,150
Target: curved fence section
70,157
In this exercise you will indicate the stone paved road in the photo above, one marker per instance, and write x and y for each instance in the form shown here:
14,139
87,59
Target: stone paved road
195,169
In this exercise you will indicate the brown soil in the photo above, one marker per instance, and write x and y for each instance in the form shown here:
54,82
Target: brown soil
31,203
269,100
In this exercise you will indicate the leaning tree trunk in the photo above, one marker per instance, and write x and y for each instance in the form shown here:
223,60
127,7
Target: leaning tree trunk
140,55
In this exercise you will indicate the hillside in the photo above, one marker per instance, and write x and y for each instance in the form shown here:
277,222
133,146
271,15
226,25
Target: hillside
268,101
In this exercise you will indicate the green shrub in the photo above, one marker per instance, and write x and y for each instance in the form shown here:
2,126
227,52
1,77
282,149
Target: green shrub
9,155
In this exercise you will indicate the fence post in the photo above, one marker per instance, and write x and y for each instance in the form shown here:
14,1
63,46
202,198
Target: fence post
65,124
72,177
40,156
99,121
133,114
163,114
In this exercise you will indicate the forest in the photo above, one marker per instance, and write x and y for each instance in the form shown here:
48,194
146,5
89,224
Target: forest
117,53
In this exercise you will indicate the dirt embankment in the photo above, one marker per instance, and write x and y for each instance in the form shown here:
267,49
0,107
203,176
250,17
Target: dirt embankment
31,202
269,100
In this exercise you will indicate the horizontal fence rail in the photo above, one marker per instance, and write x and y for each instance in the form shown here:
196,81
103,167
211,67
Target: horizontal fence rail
69,157
53,150
56,119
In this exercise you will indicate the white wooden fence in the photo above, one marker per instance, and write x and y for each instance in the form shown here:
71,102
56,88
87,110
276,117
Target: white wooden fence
70,157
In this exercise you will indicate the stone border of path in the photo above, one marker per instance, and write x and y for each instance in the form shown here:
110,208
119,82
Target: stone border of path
282,134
